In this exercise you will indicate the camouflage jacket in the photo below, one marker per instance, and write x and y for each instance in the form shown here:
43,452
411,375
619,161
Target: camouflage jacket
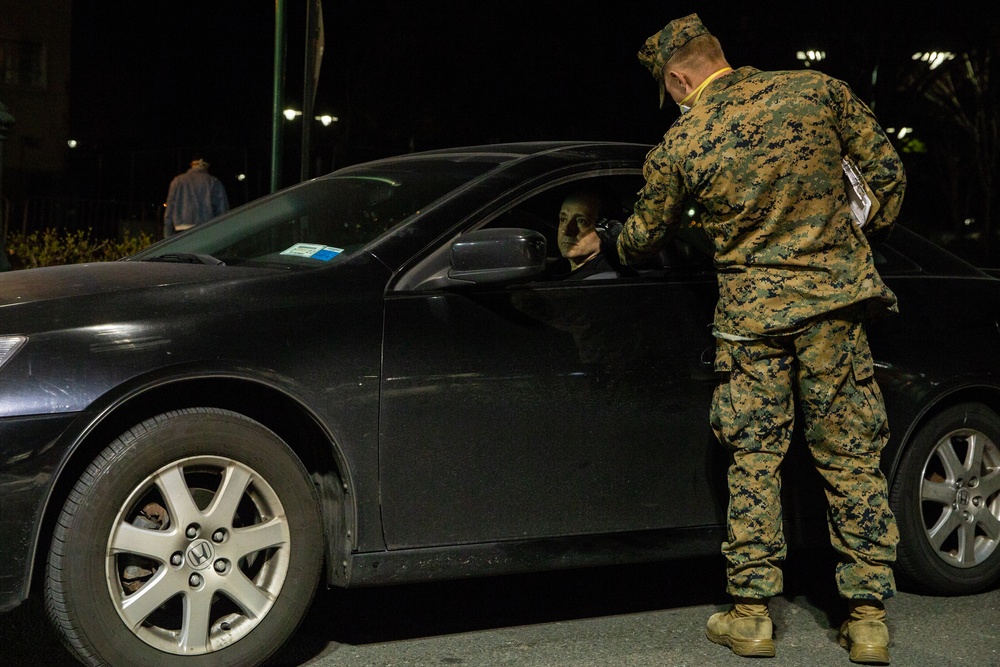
760,156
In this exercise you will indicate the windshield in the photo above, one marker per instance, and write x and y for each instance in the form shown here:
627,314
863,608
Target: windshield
320,221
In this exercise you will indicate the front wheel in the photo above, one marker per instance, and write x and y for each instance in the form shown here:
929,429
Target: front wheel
946,497
193,539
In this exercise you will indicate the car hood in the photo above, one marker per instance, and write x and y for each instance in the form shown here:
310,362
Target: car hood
63,282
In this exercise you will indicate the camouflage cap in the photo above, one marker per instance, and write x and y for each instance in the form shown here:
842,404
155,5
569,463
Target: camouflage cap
661,47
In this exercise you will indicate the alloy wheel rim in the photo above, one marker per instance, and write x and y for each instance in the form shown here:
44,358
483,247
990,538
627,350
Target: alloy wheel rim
197,555
960,498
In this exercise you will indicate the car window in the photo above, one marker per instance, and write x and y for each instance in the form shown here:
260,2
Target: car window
905,252
320,221
616,195
890,262
688,254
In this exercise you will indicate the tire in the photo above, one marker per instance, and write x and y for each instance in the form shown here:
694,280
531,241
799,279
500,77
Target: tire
946,497
194,539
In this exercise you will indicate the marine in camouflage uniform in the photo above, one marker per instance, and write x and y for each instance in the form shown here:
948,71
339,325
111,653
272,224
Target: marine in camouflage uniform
760,153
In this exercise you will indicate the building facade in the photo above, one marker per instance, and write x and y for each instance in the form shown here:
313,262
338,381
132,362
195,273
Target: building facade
35,41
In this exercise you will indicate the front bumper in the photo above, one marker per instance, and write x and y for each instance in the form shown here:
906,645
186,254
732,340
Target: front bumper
29,459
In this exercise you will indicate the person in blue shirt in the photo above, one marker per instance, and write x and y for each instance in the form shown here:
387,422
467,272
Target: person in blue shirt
194,197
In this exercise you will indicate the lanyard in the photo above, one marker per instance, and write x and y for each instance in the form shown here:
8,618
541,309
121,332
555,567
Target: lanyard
696,93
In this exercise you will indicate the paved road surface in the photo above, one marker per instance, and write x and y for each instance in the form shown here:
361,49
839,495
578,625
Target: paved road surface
637,616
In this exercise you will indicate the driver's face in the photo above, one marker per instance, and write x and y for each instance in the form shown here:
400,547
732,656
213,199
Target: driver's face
578,238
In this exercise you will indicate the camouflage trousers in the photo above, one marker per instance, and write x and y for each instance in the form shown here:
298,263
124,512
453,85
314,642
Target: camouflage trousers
827,368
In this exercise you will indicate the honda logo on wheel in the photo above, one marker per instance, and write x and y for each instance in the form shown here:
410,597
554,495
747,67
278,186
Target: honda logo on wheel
200,554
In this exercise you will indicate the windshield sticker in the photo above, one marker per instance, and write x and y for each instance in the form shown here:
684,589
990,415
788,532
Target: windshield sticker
324,253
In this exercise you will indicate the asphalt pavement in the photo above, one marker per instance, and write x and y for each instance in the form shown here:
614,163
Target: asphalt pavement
631,616
636,616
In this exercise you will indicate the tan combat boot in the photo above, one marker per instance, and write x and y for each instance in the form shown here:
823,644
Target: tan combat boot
864,633
746,629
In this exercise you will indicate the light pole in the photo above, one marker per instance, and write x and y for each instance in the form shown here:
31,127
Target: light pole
278,92
326,120
6,121
313,58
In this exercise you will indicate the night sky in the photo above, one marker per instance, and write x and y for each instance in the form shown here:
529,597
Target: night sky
155,81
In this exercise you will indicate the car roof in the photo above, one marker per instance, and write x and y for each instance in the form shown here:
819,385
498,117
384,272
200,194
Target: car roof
506,152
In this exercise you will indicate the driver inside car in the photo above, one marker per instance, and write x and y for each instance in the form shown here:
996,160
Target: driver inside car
578,240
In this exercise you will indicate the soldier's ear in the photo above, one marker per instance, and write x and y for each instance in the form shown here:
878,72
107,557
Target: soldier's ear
678,83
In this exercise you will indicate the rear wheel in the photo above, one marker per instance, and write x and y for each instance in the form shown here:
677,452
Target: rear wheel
193,539
946,497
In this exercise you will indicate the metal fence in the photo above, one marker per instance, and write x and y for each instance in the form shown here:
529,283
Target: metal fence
108,219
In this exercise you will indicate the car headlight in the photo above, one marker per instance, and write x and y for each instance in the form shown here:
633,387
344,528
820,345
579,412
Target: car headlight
9,345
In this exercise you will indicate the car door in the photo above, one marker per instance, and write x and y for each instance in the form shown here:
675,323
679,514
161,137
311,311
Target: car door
548,409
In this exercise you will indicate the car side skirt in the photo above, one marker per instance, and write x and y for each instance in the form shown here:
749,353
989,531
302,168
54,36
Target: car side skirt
498,558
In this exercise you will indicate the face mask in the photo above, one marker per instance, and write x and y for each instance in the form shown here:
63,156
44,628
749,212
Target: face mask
696,93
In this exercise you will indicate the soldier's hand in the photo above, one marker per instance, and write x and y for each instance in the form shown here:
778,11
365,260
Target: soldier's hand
608,231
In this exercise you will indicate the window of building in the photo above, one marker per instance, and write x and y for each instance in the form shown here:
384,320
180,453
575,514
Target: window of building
22,63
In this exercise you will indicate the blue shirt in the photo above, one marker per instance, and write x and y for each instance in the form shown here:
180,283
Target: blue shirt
194,197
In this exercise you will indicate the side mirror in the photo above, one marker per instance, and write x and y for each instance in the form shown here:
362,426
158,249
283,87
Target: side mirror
494,256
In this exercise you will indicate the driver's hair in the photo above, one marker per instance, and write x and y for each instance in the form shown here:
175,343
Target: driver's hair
586,197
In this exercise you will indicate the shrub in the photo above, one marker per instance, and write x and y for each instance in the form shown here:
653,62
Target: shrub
50,247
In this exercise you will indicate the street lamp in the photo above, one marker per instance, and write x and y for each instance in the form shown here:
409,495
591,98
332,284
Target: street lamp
934,59
326,120
811,56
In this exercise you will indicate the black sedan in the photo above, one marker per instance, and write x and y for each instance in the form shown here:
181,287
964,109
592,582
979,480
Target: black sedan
372,378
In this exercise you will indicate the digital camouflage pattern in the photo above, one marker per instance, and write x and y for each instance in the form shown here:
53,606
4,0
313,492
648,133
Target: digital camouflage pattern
845,427
659,48
760,155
